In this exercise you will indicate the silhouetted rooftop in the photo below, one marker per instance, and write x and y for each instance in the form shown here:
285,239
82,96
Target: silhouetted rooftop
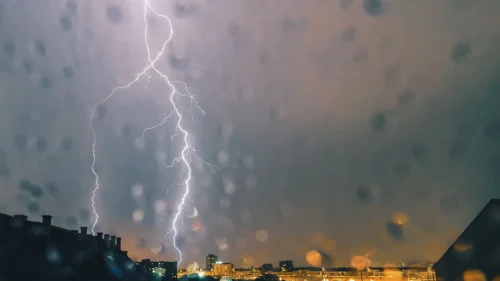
477,248
32,250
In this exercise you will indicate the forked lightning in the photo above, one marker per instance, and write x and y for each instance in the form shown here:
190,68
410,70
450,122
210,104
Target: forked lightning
187,152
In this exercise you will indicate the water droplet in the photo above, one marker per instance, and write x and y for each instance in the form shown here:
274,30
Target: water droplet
261,235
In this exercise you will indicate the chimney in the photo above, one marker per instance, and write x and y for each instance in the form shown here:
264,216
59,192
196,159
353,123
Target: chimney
21,217
112,243
19,220
100,243
119,243
83,230
106,241
47,220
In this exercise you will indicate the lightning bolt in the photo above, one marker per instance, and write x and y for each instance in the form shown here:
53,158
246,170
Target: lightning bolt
187,152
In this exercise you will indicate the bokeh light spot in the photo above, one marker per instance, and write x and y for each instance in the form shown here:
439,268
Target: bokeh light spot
314,258
138,215
399,218
261,235
474,275
360,262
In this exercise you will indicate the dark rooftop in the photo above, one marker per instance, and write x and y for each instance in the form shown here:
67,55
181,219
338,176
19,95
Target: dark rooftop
476,250
31,250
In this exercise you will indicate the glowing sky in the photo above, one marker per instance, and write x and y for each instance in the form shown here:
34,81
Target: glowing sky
340,119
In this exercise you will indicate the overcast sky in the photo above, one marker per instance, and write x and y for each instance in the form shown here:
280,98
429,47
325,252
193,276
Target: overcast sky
346,127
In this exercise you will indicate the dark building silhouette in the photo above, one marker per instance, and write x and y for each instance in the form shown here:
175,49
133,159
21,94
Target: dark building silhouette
40,251
286,265
267,267
210,261
159,270
476,252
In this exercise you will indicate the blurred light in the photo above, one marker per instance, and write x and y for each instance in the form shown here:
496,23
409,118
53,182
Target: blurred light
221,244
360,262
192,267
248,161
201,274
261,235
140,144
53,254
137,190
400,218
156,250
196,225
222,157
462,247
247,261
314,258
195,213
160,207
138,215
474,275
229,186
393,273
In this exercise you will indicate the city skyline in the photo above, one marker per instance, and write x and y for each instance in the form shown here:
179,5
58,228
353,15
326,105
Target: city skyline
337,129
103,255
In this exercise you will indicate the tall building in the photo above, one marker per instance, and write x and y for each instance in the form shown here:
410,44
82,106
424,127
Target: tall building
40,250
210,261
286,265
170,271
223,269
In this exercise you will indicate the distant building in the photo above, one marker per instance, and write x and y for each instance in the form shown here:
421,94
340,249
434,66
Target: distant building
223,269
160,270
267,267
286,265
210,261
38,250
476,253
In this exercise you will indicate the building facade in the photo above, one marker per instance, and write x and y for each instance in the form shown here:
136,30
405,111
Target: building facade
223,269
267,267
286,265
160,270
210,261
